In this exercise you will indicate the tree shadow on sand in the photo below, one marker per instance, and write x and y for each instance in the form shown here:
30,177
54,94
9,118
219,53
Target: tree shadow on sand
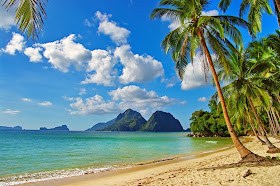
253,161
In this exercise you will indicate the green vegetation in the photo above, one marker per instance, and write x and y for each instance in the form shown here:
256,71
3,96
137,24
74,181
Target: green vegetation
162,122
200,33
252,74
210,123
30,15
254,9
100,126
273,158
252,92
130,120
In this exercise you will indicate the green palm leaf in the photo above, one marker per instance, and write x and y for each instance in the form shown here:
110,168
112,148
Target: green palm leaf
30,15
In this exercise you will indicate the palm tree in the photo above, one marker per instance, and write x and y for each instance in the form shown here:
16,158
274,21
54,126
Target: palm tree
254,129
246,87
29,16
201,33
256,9
266,54
276,4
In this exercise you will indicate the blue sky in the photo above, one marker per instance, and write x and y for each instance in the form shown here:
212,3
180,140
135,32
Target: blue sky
94,60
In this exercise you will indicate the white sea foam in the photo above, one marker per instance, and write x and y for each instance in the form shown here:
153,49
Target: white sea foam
57,174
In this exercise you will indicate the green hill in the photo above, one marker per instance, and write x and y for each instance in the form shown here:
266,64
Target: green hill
130,120
100,126
162,122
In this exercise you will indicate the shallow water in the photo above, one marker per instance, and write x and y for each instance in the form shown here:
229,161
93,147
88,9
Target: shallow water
32,155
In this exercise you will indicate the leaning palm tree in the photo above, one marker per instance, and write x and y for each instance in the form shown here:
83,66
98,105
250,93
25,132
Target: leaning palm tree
256,9
29,16
276,4
202,33
247,87
265,53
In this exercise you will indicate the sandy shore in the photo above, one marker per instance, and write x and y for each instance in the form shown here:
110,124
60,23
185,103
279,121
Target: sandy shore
186,171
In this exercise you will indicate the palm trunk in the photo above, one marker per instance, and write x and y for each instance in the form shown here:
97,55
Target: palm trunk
276,121
272,148
259,131
270,130
271,123
277,10
254,130
245,126
277,2
277,114
243,151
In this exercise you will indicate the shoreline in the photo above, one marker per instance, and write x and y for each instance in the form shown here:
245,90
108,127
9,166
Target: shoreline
104,177
183,171
42,176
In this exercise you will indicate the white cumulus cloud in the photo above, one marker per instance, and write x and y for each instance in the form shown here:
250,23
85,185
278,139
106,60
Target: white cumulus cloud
202,99
26,99
102,62
117,34
210,13
88,23
170,82
121,99
82,91
137,68
66,52
134,97
33,54
45,104
10,111
194,74
16,44
7,17
95,105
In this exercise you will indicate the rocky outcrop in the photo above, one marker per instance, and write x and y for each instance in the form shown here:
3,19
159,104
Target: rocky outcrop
198,135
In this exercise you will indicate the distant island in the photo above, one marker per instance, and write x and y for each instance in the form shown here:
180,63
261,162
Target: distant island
132,120
16,128
59,128
100,126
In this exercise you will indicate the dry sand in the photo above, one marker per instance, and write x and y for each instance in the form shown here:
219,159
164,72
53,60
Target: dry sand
186,171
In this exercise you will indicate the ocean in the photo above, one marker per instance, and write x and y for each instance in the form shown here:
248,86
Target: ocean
29,156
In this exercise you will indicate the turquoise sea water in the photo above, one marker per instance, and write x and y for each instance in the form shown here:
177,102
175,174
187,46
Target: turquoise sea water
36,155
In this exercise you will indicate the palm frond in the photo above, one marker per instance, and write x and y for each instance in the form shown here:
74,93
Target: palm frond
244,6
30,15
224,4
169,13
